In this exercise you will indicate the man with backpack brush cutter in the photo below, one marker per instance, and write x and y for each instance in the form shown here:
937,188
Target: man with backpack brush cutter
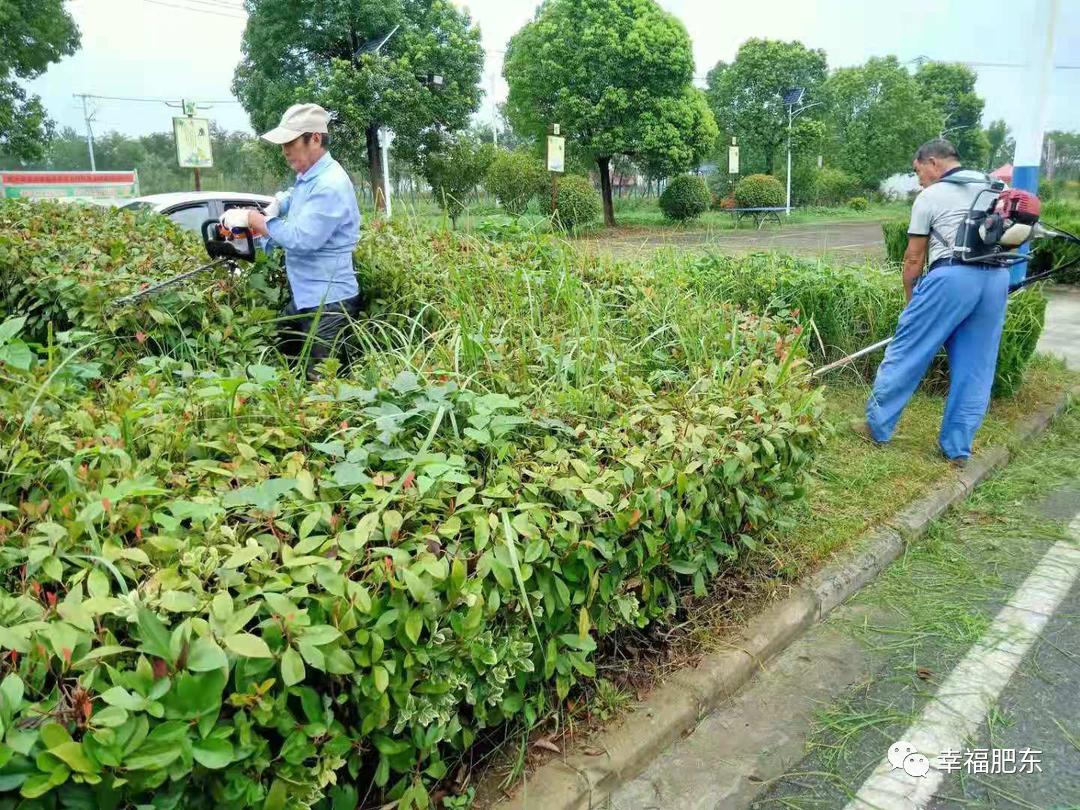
958,305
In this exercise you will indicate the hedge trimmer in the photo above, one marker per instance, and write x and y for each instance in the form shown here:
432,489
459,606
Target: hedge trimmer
989,236
226,248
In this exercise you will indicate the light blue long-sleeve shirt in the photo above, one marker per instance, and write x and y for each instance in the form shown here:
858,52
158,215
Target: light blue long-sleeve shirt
319,226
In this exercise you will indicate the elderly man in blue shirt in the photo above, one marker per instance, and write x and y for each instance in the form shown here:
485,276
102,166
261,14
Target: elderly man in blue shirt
318,224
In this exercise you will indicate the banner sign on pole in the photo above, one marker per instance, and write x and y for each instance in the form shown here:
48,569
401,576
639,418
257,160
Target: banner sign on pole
193,143
556,153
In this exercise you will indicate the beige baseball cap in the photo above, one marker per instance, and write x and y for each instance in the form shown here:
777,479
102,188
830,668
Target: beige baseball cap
297,120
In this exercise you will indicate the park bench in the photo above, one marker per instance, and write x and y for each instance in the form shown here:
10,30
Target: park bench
759,215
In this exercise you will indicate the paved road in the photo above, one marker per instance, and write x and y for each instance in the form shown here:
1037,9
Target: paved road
853,239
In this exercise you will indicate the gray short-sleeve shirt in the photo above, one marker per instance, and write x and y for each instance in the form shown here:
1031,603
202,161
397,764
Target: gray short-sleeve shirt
940,209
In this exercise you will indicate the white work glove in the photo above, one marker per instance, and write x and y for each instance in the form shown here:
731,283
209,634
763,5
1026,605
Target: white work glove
235,218
274,209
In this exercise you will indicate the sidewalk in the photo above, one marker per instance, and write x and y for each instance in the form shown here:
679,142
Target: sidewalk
1061,335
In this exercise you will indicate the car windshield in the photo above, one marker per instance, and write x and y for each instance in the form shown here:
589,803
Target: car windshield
138,205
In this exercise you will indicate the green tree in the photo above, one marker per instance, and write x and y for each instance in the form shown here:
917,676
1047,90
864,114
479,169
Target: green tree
616,76
747,96
324,52
951,89
33,35
1061,155
1000,147
455,170
876,119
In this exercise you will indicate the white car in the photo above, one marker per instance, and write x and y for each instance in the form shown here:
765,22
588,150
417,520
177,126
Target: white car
190,209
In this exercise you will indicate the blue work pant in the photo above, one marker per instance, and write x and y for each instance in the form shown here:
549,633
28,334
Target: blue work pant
960,307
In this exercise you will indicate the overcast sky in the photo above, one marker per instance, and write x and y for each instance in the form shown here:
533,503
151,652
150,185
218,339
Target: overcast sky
189,48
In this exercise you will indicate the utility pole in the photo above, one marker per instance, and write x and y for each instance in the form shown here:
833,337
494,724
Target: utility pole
1031,120
792,98
386,137
87,117
494,114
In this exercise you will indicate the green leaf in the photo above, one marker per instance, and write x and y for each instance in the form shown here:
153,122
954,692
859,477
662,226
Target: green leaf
597,498
382,677
205,655
11,694
418,586
263,496
276,796
109,717
53,735
153,634
11,327
247,645
154,755
119,696
292,667
179,601
413,625
349,474
212,753
17,355
71,753
36,785
319,634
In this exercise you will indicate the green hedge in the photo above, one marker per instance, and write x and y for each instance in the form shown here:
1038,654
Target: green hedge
514,178
62,267
223,587
577,202
1051,253
834,186
759,191
686,197
845,308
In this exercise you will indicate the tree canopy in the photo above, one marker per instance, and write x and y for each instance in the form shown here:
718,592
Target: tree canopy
325,53
747,96
951,89
33,35
616,76
876,118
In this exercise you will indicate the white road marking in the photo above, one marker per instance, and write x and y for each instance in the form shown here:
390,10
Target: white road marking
962,702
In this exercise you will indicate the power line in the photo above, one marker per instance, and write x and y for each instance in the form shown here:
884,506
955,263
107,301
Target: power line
197,10
170,101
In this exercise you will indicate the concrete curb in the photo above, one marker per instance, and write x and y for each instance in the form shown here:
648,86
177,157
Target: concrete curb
580,781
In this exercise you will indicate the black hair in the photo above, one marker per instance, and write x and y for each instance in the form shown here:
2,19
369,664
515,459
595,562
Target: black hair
938,148
325,139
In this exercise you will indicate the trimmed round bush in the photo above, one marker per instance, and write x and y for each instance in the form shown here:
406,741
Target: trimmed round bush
759,191
833,186
577,202
514,178
686,197
858,203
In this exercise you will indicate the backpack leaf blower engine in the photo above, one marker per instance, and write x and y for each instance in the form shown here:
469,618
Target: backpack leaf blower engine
990,235
226,248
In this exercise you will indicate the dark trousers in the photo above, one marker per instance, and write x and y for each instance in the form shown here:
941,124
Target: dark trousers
323,329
